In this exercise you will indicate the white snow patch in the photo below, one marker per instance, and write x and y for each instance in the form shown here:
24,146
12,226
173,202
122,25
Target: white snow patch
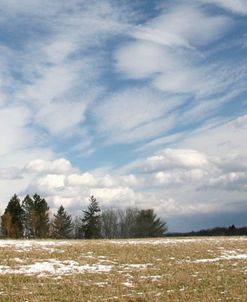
55,267
227,255
101,284
137,265
164,241
29,245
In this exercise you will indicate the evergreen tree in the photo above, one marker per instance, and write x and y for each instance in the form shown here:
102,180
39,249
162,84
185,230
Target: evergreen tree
36,217
91,220
148,225
62,224
12,219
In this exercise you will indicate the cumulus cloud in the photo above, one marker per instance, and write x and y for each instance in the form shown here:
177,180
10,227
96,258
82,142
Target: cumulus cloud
50,183
234,181
41,166
58,181
176,158
85,179
178,177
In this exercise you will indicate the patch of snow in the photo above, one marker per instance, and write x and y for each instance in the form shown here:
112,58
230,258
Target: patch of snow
227,255
101,284
55,267
137,265
29,245
163,241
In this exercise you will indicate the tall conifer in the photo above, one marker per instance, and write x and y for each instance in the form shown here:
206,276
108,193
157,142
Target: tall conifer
12,219
62,224
91,220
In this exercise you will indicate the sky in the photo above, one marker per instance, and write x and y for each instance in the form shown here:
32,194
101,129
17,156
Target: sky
139,103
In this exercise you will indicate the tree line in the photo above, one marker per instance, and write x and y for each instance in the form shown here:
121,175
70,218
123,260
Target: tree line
30,218
217,231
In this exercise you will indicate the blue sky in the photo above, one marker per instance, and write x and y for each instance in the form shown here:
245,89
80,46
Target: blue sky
141,103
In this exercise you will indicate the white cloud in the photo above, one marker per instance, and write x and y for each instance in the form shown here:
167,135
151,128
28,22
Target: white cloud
235,6
61,183
154,34
134,114
28,7
130,109
12,179
176,158
58,181
85,179
57,75
16,134
53,84
231,162
50,183
166,51
192,24
164,140
236,181
40,166
141,59
146,131
221,139
178,177
10,173
61,118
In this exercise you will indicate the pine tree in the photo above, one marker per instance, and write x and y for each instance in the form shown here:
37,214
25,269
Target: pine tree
36,217
148,225
62,224
12,219
91,220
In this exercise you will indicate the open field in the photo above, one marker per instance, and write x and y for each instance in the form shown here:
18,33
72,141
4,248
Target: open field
190,269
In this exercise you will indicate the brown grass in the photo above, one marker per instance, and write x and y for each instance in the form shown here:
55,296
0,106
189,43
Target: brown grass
140,271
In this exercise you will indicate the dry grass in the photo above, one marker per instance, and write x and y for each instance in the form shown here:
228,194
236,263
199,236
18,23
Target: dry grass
199,269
